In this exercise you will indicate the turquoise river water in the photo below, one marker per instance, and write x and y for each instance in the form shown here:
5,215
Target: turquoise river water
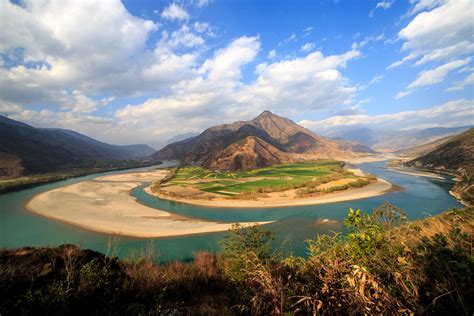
419,198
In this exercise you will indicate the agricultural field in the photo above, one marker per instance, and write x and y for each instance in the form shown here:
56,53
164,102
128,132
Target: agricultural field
276,178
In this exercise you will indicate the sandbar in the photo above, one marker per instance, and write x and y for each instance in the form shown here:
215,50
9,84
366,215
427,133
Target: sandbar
288,198
105,205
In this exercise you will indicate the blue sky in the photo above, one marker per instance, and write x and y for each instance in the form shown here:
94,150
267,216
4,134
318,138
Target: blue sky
143,71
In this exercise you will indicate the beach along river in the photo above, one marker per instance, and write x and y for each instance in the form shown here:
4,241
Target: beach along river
420,197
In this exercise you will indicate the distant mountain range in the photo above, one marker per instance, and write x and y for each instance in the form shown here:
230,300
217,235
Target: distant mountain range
395,140
266,140
28,150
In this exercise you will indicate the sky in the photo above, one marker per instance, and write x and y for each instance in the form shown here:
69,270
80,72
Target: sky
142,71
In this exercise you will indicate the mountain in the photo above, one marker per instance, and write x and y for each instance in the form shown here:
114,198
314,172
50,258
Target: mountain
266,140
28,150
395,140
180,137
454,156
420,150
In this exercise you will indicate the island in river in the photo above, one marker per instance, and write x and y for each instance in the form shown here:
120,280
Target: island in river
305,183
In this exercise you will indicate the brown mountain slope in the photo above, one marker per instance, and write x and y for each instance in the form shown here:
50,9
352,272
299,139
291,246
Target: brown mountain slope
266,140
423,149
248,153
454,156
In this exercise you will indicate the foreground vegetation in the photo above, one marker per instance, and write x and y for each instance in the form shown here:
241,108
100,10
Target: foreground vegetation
383,265
9,185
307,177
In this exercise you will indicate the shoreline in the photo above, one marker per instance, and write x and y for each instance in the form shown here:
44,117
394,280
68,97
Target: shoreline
104,205
380,187
418,173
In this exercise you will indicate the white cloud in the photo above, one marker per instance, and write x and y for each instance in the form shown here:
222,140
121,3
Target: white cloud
272,54
218,95
440,34
291,38
106,101
381,5
423,5
307,31
367,40
202,3
433,76
403,94
374,80
185,37
460,49
469,80
308,47
308,83
92,47
227,62
436,75
401,62
449,114
175,12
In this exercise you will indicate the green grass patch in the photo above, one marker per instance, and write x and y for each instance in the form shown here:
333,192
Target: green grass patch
275,178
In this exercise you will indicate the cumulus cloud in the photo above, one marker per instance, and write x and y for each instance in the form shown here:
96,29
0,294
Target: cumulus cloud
92,47
443,33
218,94
449,114
312,82
175,12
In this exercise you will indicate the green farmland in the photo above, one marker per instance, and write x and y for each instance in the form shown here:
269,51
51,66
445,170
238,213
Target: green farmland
275,178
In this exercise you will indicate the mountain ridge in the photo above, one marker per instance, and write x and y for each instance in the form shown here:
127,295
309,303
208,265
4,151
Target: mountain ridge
25,149
266,140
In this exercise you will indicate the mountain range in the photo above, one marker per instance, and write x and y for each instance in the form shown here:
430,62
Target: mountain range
28,150
394,140
266,140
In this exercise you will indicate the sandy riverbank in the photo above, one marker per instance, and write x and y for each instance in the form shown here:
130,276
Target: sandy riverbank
104,205
289,198
372,158
415,172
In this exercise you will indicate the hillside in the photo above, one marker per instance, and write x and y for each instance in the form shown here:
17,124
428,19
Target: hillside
454,156
395,140
26,150
266,140
423,149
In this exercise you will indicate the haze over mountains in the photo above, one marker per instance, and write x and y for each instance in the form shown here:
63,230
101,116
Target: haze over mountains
266,140
28,150
395,140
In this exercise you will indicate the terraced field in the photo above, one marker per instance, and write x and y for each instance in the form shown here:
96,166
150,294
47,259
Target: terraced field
276,178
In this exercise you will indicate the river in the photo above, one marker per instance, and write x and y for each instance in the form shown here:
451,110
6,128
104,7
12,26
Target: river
420,197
